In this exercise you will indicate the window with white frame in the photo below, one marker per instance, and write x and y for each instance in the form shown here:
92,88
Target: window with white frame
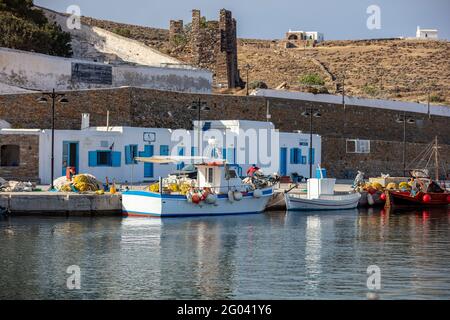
358,146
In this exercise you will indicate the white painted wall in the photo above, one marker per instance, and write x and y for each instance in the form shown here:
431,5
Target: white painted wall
43,72
431,34
90,140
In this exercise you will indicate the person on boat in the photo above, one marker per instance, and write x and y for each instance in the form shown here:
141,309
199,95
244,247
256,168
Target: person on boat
251,171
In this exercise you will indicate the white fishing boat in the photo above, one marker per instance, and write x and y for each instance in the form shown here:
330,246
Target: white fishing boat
320,196
217,190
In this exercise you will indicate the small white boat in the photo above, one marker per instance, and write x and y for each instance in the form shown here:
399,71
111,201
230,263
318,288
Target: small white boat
218,190
321,196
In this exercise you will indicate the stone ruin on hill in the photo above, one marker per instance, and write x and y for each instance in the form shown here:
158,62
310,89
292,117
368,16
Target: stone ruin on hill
210,44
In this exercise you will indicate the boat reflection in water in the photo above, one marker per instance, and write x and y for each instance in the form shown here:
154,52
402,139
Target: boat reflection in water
274,255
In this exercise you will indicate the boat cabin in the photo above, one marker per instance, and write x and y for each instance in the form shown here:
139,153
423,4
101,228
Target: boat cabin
218,176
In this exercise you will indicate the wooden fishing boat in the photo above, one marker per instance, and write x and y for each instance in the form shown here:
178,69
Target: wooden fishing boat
320,196
395,199
424,191
217,190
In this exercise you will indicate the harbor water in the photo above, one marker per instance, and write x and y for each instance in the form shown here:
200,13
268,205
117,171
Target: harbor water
274,255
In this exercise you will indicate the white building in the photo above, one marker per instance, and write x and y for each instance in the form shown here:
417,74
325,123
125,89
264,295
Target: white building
304,35
109,152
314,35
427,33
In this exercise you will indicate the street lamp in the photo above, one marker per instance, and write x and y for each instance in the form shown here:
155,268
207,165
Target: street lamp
53,95
311,113
402,119
247,67
199,106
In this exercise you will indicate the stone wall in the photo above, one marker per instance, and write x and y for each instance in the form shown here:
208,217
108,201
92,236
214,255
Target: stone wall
165,109
28,169
384,157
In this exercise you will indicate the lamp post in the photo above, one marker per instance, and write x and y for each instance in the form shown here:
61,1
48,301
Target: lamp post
311,113
43,99
402,119
247,67
199,106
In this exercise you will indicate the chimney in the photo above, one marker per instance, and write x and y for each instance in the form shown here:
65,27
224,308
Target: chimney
84,121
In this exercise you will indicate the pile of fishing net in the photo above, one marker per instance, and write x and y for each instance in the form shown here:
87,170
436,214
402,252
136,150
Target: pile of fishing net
79,183
16,186
180,186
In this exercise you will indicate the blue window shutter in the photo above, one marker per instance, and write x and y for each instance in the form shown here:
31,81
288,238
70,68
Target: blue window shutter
164,150
193,151
299,155
181,151
292,151
229,155
224,153
313,155
115,158
92,158
128,157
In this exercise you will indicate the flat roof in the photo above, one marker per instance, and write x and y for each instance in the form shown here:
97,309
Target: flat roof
437,110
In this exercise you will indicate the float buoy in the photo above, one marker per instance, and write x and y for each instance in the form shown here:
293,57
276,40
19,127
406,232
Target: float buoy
230,196
370,200
383,196
426,198
211,198
257,193
237,196
196,198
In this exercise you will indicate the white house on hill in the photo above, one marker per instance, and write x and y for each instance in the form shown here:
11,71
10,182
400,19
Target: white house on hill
426,33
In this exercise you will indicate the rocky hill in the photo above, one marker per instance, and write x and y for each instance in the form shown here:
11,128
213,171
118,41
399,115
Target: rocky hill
409,70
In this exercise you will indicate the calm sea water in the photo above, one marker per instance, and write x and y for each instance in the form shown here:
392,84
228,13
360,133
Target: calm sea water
274,255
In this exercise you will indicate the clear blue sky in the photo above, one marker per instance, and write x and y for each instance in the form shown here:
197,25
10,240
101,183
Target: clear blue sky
270,19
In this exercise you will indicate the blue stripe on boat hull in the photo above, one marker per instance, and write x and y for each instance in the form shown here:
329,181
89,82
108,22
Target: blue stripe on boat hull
172,215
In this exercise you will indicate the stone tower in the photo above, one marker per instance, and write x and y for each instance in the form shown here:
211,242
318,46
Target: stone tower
213,45
175,29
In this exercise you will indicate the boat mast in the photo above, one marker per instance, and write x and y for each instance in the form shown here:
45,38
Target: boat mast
436,158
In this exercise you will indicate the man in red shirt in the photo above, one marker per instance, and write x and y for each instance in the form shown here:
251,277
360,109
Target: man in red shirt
251,171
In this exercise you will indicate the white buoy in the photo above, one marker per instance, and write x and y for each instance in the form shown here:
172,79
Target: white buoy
230,196
211,198
237,195
257,193
370,200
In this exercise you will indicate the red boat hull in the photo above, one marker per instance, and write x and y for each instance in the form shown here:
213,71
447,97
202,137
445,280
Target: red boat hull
404,198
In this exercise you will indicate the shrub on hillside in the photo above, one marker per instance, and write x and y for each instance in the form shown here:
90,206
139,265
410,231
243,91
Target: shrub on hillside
312,79
26,28
257,84
122,32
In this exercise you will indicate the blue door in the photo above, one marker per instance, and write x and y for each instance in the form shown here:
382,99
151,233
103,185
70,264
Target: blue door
69,156
148,167
180,165
283,161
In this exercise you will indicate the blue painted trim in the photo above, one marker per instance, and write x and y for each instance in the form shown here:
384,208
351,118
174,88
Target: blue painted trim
179,196
173,215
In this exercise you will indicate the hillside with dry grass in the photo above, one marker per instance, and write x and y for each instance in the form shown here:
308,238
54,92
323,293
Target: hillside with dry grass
408,70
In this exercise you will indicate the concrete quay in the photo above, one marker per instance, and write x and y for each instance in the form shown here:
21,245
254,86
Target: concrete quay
60,203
